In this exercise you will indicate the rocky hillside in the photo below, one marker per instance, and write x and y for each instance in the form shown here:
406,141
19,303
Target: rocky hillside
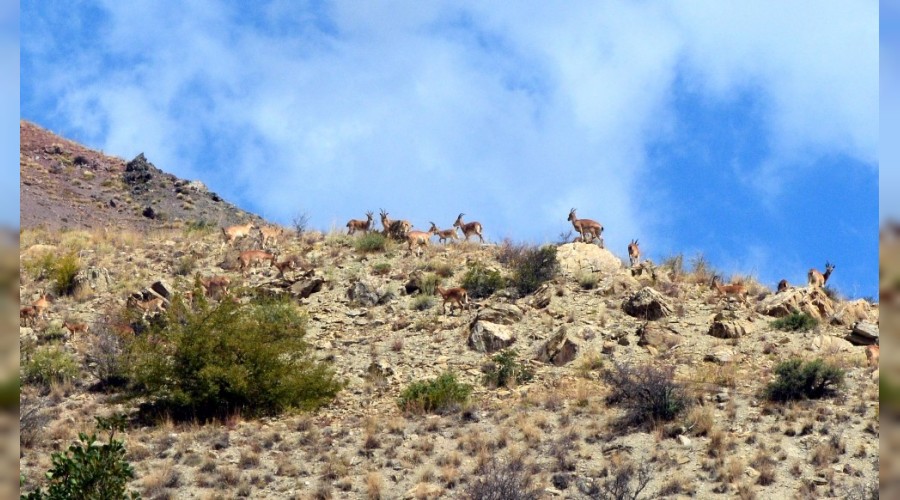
560,434
65,185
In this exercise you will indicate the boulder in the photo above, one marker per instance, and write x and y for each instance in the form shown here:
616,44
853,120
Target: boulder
650,334
647,304
542,297
729,326
138,172
488,337
559,349
93,278
577,259
720,355
864,333
620,284
812,301
363,293
851,312
503,314
830,345
306,287
162,289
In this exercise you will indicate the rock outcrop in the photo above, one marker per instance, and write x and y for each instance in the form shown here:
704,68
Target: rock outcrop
647,304
576,259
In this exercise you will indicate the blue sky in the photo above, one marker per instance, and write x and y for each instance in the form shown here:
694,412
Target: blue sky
9,110
746,131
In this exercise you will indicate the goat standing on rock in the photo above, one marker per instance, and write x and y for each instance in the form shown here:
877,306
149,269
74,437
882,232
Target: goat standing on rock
817,279
469,228
587,227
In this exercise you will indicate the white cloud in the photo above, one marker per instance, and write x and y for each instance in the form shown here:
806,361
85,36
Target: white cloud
512,114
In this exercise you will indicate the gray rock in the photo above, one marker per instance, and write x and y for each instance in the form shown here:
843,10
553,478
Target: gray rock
162,288
96,279
656,336
504,314
720,355
647,304
864,333
576,259
306,287
559,349
488,337
727,326
363,293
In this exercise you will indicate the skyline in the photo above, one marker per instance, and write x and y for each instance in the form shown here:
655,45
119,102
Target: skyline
747,133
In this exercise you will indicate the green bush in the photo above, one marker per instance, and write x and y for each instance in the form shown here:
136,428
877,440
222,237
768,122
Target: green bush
506,370
481,282
90,470
648,393
423,302
381,268
533,268
795,322
429,283
60,270
799,380
50,364
211,361
439,395
370,242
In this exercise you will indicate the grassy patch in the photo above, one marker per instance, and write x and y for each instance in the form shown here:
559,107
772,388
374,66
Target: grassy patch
439,395
796,322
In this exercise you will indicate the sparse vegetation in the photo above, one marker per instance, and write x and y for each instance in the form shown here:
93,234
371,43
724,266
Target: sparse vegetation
88,469
50,364
220,359
481,282
648,393
798,379
796,322
370,242
506,370
497,480
533,268
440,395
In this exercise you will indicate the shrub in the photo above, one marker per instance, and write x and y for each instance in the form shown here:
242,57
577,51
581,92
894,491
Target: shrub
214,360
439,395
381,268
185,265
481,282
202,226
797,379
588,281
60,270
106,356
503,481
423,302
648,393
50,364
89,469
795,322
505,370
701,269
624,482
370,242
832,293
429,283
300,222
533,268
675,265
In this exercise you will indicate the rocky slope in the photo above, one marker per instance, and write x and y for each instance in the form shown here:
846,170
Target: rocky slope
65,185
594,315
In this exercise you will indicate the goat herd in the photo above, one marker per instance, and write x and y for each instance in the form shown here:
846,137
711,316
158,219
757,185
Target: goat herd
589,230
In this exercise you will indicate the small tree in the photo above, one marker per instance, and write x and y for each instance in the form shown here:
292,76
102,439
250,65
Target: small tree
505,370
799,380
90,470
214,360
534,267
647,392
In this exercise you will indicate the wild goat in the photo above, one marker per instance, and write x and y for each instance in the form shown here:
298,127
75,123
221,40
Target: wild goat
444,234
586,227
419,238
41,304
36,310
817,279
457,296
395,229
267,233
873,352
783,285
468,229
738,290
250,257
283,266
28,314
232,233
360,225
156,304
75,327
634,253
217,285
